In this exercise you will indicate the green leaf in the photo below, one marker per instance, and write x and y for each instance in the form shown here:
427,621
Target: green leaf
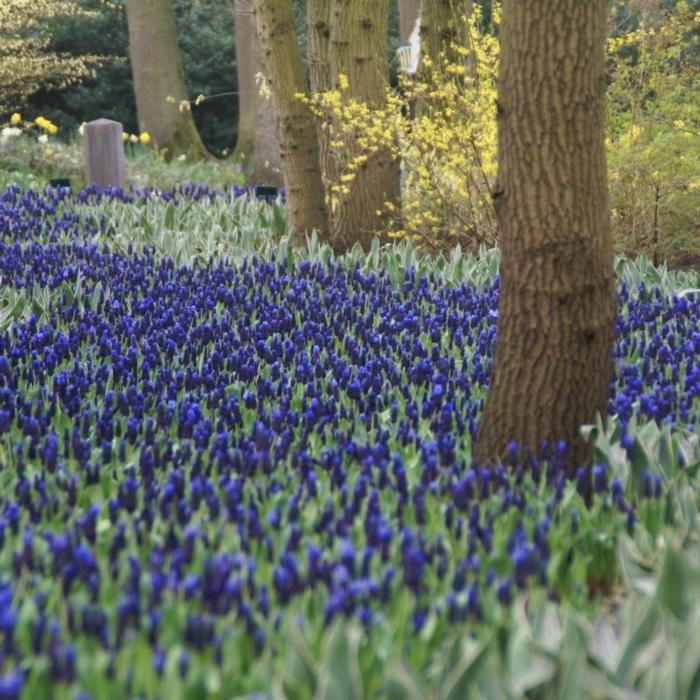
300,673
529,668
667,454
169,216
340,671
643,625
679,583
402,685
472,661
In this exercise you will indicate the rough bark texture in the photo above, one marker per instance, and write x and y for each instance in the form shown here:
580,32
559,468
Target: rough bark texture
441,28
257,146
296,130
552,361
358,49
159,78
318,33
409,11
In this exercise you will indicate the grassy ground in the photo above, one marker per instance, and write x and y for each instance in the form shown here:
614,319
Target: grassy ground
26,161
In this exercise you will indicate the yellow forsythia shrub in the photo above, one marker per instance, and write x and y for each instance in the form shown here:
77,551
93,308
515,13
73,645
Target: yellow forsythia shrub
442,125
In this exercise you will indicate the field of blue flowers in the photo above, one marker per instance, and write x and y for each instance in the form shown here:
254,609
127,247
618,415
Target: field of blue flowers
245,472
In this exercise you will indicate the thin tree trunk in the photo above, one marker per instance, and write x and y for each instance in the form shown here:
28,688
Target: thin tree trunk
159,78
657,199
257,147
442,32
442,28
296,131
409,12
318,32
552,361
358,49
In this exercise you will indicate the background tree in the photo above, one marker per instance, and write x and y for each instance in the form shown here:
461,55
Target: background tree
159,78
257,147
27,62
442,28
208,50
318,34
208,54
358,48
552,361
296,131
653,129
409,11
109,91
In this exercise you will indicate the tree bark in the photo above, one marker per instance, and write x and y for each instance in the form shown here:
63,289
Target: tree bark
296,129
257,147
318,32
441,28
358,49
159,78
409,12
552,361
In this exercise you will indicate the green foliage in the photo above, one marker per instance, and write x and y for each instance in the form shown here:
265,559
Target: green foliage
644,642
109,93
249,227
28,60
205,31
640,641
25,161
654,133
206,36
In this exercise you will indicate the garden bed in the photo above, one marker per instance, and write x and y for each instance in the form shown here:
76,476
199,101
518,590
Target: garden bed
229,467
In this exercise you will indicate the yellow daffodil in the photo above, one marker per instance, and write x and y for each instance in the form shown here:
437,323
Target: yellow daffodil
16,118
145,138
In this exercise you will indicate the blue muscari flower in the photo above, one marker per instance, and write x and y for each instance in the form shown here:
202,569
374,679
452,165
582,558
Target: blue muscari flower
11,685
600,479
328,322
413,564
526,562
574,521
419,619
503,592
183,664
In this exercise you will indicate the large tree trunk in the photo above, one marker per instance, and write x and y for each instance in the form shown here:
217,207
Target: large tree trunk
409,11
552,362
358,49
296,130
159,78
257,147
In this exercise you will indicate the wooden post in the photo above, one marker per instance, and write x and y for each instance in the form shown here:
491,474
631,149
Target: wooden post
104,153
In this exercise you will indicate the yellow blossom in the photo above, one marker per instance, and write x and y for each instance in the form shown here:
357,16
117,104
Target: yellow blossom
16,118
145,138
